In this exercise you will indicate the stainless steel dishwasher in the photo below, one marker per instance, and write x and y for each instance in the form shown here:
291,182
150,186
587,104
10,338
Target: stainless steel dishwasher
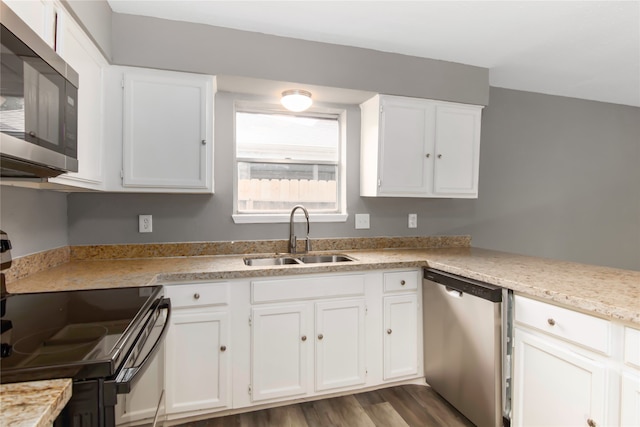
463,344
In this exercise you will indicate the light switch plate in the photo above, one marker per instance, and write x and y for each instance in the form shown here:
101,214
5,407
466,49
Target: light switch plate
362,221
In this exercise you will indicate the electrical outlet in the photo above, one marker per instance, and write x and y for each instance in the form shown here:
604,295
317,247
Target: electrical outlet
413,221
145,223
362,221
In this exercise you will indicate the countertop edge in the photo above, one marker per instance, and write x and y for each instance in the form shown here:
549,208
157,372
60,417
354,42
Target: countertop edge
34,403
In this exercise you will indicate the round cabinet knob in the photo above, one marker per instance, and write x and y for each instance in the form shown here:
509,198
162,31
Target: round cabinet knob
32,133
439,156
389,331
196,296
304,338
320,336
402,282
551,322
428,155
591,423
204,142
223,348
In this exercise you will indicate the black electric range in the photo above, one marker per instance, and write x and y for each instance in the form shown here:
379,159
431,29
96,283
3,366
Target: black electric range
102,339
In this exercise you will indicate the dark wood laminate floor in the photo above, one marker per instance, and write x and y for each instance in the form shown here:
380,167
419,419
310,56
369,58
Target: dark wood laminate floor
401,406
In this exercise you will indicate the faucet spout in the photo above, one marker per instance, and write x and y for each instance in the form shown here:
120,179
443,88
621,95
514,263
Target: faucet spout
292,237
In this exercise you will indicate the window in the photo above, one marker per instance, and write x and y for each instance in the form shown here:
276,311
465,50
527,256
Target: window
287,159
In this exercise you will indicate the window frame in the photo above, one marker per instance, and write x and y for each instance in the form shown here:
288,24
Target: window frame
319,111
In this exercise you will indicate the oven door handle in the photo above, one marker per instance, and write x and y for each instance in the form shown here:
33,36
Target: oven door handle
128,376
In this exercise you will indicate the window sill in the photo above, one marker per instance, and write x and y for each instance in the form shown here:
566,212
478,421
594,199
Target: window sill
282,218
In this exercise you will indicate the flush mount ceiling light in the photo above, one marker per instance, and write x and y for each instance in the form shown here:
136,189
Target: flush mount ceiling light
296,100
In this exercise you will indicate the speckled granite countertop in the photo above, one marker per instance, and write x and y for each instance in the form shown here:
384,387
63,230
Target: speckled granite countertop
607,292
33,404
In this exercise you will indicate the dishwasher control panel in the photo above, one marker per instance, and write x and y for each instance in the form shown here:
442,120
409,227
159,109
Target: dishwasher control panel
465,285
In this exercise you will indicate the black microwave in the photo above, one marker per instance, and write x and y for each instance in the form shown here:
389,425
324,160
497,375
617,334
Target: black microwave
38,104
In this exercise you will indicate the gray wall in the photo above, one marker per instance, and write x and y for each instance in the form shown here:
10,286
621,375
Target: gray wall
559,178
95,16
172,45
35,220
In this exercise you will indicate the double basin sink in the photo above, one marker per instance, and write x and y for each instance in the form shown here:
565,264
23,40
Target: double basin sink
301,259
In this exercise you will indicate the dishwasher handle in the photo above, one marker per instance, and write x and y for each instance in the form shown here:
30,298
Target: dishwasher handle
464,285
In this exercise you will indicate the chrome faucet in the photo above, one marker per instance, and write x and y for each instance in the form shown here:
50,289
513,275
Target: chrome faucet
292,238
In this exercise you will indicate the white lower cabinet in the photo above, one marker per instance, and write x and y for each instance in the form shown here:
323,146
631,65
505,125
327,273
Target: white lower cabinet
240,343
630,398
197,374
573,369
400,336
555,385
290,348
402,324
197,369
340,344
630,383
279,348
141,403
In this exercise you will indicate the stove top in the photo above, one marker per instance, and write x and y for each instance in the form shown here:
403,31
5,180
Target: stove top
76,334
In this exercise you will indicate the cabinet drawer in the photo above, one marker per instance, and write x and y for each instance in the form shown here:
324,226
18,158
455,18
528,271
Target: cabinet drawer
194,295
400,281
632,347
292,289
580,328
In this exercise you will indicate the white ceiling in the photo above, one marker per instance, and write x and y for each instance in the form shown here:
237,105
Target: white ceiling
580,49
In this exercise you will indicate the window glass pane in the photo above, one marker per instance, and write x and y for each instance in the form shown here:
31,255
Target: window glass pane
282,136
284,160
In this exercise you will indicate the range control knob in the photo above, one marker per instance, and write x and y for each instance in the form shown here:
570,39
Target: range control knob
5,350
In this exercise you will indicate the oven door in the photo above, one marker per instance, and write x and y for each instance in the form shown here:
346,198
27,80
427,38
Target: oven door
93,400
147,344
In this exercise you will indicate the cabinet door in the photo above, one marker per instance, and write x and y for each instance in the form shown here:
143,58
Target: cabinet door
630,399
168,131
400,336
457,150
555,386
406,139
197,369
340,344
143,401
78,51
39,15
279,349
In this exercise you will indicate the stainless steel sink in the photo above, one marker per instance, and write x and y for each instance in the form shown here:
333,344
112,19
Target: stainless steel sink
313,259
270,261
303,259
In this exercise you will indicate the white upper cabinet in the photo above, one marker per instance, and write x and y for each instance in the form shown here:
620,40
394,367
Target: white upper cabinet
414,147
159,131
167,131
77,49
457,150
39,15
60,31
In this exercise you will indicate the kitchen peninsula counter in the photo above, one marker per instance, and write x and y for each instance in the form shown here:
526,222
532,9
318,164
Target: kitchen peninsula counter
35,403
603,291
